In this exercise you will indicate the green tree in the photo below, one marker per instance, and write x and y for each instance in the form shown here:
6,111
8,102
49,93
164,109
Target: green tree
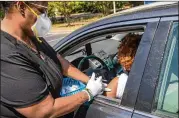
52,10
64,8
90,6
79,7
136,3
105,6
1,12
121,4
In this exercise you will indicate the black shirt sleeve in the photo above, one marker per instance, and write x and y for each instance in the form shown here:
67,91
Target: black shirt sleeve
21,83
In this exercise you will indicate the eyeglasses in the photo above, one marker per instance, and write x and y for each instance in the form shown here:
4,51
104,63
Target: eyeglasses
42,9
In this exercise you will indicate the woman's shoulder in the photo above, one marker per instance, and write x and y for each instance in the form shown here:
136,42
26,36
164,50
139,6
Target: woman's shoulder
122,80
122,76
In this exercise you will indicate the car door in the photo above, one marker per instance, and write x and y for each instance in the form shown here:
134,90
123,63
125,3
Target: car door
104,107
158,93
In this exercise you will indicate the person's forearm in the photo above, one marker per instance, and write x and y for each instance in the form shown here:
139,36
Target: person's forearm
71,71
65,105
113,86
52,108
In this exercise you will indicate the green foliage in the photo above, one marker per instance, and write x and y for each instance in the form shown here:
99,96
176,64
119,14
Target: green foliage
1,12
134,3
66,8
53,10
52,6
120,4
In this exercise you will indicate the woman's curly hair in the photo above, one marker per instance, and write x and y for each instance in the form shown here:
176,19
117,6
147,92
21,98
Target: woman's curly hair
127,50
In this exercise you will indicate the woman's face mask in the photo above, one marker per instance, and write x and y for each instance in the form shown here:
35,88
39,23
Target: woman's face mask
42,25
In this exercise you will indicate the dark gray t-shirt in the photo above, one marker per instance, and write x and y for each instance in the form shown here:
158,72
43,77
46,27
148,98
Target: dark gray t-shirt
22,83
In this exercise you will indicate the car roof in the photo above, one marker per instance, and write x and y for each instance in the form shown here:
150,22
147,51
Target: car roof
142,8
156,9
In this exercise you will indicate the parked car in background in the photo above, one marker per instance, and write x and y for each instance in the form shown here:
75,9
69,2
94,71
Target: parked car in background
152,87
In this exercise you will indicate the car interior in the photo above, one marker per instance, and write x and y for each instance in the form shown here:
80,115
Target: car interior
99,55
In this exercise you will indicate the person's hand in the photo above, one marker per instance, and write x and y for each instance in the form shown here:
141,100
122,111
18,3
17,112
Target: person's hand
105,88
94,86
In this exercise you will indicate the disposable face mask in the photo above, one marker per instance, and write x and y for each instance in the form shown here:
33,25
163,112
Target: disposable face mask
42,26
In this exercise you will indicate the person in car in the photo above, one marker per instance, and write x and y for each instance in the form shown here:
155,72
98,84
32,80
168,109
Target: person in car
126,53
31,71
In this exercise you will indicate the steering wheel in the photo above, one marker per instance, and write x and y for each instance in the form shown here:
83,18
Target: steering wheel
103,71
104,66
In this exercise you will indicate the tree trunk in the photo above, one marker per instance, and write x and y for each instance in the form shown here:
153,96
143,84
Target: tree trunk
68,20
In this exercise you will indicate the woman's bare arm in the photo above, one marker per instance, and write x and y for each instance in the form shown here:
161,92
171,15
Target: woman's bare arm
113,86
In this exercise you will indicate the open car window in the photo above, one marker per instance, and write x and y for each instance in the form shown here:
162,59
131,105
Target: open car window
104,47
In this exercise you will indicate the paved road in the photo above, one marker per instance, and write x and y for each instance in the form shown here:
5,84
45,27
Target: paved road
53,38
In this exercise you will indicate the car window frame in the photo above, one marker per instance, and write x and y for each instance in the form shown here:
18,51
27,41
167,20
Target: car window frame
88,36
60,47
151,25
101,100
145,98
135,76
149,32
